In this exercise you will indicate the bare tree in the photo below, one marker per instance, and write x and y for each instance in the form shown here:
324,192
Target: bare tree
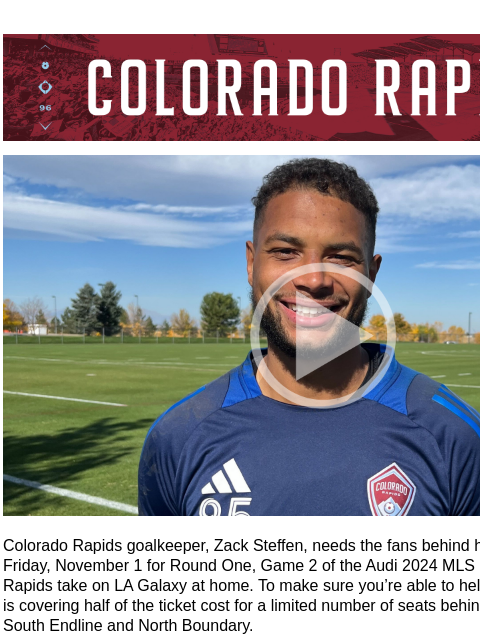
246,319
182,323
31,308
136,319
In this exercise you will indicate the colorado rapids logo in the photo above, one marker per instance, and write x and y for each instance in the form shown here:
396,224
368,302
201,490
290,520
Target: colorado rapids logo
390,492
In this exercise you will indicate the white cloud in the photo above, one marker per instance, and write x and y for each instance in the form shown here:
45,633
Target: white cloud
176,180
157,225
205,199
8,180
454,264
398,237
192,211
396,245
206,180
83,223
465,234
436,194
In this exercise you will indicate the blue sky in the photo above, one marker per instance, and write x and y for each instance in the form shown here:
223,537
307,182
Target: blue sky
172,228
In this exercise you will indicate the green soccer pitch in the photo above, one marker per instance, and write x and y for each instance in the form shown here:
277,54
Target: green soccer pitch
87,452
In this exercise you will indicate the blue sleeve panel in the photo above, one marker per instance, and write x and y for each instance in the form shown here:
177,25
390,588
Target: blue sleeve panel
455,426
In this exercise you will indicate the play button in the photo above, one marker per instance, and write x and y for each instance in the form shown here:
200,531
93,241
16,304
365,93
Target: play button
321,335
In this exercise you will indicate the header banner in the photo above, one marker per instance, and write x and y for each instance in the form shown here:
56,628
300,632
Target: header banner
88,87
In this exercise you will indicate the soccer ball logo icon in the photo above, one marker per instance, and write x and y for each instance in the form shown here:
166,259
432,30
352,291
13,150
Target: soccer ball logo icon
389,507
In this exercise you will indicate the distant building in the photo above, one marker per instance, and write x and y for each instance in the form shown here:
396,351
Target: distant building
38,329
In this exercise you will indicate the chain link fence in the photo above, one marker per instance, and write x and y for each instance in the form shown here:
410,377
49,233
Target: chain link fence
60,337
428,337
214,337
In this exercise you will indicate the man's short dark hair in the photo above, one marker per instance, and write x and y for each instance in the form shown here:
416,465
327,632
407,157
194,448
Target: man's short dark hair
325,176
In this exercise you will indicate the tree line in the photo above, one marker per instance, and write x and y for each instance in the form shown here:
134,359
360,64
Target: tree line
411,332
100,312
93,312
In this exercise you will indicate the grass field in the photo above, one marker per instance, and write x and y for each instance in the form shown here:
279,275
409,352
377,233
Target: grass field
94,448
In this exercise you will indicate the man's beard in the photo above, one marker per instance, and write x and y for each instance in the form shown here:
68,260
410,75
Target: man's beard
271,325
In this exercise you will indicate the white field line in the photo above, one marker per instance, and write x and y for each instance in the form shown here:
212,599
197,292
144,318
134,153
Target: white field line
438,376
75,495
45,359
132,363
444,353
159,365
463,386
38,395
464,374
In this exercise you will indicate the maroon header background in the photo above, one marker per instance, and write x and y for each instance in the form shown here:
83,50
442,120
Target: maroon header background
59,64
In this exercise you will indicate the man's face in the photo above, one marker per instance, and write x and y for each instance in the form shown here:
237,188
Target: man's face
302,227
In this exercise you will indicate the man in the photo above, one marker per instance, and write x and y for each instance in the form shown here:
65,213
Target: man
240,446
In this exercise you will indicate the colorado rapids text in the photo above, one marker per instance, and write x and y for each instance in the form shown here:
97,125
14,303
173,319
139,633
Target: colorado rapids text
269,92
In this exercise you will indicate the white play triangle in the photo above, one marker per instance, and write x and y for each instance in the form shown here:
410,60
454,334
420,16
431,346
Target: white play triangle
350,337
